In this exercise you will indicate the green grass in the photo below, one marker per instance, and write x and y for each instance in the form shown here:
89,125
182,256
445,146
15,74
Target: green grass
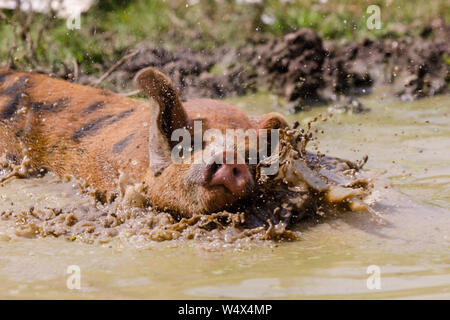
111,28
336,19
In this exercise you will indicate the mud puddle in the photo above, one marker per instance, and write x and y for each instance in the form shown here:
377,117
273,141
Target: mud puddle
307,185
408,140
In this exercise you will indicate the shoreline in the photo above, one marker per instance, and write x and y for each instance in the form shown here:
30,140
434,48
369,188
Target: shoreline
302,68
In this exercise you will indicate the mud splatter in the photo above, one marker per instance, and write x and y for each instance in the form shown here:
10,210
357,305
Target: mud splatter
307,184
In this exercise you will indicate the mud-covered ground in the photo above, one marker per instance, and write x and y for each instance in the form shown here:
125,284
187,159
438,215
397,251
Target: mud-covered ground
302,68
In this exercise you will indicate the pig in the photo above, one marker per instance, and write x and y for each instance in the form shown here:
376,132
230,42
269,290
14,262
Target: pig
94,135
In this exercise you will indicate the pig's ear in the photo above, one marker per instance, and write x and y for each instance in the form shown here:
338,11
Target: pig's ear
167,114
271,120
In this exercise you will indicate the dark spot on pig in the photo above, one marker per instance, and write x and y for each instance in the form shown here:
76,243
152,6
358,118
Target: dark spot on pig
10,107
97,124
93,107
122,144
14,92
55,106
17,87
4,76
122,115
91,127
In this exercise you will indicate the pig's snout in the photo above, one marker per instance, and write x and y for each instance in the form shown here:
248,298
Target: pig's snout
233,176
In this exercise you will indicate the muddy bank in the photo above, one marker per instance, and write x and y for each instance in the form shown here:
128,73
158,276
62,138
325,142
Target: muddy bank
306,70
414,67
195,74
303,68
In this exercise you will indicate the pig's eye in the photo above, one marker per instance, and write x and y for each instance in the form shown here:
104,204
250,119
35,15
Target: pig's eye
213,168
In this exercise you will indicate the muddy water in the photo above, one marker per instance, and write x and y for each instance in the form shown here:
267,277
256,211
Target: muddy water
410,141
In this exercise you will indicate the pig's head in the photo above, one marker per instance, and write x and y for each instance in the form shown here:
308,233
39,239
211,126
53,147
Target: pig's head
211,176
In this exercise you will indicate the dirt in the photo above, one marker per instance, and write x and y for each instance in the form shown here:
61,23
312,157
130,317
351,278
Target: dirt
307,185
415,67
191,72
291,66
303,68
